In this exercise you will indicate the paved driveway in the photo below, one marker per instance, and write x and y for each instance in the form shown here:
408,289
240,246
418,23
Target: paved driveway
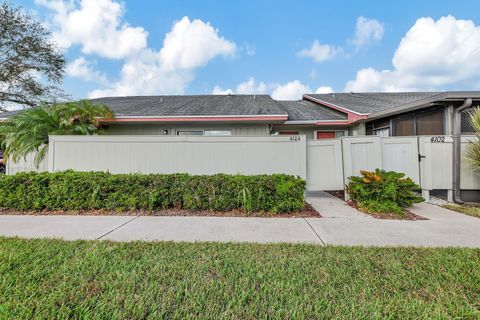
340,225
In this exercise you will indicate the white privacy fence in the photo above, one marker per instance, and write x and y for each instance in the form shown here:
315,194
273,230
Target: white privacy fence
172,154
325,164
425,159
26,164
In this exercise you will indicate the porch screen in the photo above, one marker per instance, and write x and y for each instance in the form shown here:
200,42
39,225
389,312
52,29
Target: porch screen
430,123
405,126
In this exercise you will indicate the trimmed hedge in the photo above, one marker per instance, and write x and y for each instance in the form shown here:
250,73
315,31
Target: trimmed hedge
70,190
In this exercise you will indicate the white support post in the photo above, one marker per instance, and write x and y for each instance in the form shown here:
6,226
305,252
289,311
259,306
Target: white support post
426,195
450,195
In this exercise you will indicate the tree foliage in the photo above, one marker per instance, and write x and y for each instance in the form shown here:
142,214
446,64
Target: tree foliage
30,63
473,149
28,131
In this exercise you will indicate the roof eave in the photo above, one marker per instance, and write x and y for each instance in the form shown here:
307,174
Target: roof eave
215,118
425,103
317,122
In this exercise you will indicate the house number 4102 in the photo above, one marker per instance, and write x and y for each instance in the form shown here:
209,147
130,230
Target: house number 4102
437,139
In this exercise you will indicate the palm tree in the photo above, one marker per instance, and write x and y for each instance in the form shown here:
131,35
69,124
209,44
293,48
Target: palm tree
28,131
473,149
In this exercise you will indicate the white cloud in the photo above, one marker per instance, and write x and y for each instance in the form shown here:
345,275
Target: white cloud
431,55
324,89
367,31
83,69
219,91
248,87
293,90
191,44
320,52
97,26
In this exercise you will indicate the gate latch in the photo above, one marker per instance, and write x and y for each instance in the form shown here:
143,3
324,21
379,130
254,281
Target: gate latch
420,157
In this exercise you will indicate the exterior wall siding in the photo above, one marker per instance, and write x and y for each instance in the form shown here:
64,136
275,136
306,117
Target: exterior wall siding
159,129
309,131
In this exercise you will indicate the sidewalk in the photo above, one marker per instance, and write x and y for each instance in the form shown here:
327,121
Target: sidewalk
340,225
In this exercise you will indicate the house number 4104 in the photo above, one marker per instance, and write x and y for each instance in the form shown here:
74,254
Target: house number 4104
437,139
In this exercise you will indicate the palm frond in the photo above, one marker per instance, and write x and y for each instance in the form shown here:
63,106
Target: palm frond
28,131
472,152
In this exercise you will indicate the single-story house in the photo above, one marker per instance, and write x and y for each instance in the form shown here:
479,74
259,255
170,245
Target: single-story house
257,117
318,116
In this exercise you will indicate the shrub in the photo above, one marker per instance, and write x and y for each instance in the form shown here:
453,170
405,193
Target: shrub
70,190
383,191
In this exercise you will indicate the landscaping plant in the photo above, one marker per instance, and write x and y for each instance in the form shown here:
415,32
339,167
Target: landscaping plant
70,190
383,191
28,131
473,149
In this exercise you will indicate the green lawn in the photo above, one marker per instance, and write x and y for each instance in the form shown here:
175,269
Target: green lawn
103,280
466,209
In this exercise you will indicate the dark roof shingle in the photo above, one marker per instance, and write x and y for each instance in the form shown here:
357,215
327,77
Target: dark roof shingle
194,105
8,114
366,103
306,110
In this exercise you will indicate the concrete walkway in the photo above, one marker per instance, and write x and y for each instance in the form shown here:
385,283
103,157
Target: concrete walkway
340,225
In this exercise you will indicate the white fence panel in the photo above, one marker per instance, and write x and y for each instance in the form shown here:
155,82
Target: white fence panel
436,164
361,153
172,154
400,154
26,164
469,176
324,165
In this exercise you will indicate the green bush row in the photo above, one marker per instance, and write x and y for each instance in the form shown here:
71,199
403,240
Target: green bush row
70,190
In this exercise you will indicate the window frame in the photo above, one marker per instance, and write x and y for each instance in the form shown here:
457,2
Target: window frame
196,135
345,133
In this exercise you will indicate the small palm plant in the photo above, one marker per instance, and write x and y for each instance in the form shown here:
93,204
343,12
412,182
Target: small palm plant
473,149
28,131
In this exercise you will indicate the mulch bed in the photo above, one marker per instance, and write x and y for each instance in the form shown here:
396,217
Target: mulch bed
407,215
307,212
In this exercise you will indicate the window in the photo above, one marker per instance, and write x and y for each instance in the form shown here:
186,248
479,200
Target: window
189,133
385,132
426,123
430,123
466,125
288,133
329,134
218,133
405,126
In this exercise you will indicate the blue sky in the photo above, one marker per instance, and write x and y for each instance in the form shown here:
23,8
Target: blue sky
283,48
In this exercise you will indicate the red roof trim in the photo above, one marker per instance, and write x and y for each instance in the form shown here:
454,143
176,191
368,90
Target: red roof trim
196,119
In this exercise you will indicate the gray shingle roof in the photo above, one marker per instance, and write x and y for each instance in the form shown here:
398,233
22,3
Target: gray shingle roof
7,114
194,105
366,103
306,110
